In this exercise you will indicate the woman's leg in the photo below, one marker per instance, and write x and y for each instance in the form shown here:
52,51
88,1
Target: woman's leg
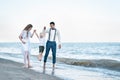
25,59
28,59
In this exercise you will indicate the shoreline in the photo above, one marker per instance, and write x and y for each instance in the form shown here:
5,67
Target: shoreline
10,70
93,63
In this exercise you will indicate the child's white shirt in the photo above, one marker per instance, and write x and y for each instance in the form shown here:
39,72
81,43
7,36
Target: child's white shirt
42,41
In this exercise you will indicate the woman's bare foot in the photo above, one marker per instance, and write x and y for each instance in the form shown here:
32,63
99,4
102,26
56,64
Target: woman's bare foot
29,66
25,66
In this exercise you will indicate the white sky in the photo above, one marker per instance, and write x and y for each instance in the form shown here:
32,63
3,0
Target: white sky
77,20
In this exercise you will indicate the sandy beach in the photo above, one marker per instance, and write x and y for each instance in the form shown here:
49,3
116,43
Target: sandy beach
10,70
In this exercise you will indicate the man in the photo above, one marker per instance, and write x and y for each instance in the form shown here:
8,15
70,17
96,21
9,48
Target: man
51,43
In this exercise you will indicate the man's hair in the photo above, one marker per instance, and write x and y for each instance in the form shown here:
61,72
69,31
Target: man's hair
52,23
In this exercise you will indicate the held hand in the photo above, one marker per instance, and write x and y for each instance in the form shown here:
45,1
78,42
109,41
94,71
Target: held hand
23,42
44,27
34,30
59,46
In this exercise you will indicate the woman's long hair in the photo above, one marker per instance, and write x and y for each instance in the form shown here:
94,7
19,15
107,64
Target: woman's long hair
27,28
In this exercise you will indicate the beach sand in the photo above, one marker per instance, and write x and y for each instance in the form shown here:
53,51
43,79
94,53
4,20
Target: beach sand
10,70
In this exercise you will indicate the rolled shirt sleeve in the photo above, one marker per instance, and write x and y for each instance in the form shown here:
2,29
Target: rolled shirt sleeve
59,37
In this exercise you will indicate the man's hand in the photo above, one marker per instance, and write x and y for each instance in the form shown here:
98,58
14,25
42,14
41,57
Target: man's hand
59,46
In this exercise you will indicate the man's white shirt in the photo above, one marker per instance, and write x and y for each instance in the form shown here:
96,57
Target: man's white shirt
52,34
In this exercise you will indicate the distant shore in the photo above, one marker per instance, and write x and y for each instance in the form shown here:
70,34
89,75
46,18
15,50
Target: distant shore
10,70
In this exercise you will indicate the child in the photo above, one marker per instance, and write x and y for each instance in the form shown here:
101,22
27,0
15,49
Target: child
41,44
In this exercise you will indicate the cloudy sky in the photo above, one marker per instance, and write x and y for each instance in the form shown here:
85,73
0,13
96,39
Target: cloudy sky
77,20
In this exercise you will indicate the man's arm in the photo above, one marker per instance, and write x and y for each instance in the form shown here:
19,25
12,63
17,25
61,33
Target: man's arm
45,30
59,39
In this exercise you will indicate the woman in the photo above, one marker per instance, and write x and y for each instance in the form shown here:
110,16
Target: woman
25,39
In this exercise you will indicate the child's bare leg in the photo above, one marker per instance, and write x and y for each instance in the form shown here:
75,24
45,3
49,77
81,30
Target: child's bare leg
40,56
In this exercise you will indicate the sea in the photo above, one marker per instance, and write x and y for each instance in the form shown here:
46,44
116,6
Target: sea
75,61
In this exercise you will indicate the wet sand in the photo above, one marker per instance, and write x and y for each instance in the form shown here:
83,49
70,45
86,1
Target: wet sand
10,70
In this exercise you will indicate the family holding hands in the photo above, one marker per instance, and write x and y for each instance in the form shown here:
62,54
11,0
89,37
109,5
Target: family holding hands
53,33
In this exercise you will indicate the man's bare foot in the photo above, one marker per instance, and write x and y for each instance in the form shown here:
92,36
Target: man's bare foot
53,71
53,66
44,66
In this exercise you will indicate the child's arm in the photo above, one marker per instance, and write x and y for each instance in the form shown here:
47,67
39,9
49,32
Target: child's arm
44,31
44,34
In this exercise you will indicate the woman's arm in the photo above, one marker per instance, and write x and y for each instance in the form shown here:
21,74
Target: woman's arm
36,35
20,37
33,33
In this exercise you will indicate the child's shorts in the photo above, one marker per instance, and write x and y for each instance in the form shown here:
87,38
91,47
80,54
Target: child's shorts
41,49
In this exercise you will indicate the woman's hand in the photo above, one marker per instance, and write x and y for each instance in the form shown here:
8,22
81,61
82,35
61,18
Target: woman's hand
34,31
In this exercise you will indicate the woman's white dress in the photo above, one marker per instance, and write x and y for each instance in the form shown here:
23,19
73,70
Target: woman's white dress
26,39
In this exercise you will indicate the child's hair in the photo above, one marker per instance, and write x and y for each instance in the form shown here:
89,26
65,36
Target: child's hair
28,26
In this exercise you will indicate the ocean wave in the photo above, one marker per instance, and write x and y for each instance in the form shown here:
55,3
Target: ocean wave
93,63
100,63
